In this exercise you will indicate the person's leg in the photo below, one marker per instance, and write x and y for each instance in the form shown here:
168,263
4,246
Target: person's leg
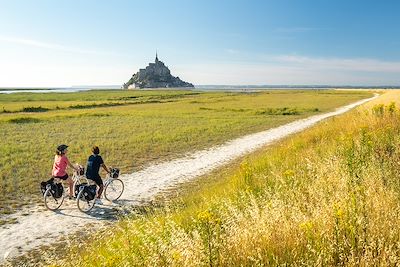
99,183
100,191
71,186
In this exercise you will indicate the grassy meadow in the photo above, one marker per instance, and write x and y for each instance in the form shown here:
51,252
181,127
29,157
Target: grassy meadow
329,196
134,128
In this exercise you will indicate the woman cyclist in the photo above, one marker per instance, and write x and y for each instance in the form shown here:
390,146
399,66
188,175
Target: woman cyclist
60,165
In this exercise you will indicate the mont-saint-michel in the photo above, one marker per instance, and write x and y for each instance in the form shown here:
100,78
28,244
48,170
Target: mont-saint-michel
155,75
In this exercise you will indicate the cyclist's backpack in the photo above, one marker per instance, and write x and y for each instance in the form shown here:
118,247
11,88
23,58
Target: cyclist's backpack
57,190
89,192
114,172
43,185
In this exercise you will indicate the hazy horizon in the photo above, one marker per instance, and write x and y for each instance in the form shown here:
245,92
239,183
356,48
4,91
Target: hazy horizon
222,86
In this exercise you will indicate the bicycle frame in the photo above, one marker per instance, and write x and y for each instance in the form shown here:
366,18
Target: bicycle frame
108,180
76,178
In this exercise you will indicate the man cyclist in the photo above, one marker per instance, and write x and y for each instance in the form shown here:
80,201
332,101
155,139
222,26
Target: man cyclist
95,161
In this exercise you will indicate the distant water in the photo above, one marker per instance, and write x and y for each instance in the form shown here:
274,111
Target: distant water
293,87
50,90
227,88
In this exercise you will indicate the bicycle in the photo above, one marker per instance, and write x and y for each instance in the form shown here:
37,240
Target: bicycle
53,198
113,189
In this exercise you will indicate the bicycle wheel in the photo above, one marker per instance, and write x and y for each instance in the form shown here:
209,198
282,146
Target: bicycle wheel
83,204
113,190
51,202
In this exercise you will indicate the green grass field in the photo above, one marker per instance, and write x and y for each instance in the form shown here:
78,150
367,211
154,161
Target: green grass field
133,128
326,197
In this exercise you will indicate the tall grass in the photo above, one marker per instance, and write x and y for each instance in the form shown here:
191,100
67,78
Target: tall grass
327,197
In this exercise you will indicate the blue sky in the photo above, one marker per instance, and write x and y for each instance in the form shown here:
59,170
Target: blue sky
64,43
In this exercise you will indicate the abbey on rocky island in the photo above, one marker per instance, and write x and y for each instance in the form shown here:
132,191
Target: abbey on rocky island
155,75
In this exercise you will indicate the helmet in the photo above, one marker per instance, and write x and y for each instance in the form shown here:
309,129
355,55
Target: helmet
61,148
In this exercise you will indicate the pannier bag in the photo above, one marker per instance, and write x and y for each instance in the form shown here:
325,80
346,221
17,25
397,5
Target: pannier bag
89,192
78,188
43,185
57,190
114,172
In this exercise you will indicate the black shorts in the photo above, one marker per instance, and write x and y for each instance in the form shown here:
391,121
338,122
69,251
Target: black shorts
97,180
65,177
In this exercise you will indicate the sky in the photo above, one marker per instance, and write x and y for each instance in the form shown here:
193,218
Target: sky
60,43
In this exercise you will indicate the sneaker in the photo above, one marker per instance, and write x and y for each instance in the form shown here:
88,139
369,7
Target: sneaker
71,197
98,201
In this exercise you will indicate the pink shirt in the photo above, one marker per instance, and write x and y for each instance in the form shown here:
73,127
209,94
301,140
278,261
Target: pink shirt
60,165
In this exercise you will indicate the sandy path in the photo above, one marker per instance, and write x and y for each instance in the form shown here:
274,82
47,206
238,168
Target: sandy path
43,227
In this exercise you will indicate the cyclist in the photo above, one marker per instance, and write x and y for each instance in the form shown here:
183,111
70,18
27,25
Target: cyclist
60,165
95,161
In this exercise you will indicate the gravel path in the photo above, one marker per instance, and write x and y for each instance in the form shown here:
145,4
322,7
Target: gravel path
41,226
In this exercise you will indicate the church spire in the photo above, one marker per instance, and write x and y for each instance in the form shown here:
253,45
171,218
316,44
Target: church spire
156,57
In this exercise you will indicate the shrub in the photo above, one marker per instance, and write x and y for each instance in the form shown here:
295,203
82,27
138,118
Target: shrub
378,109
34,109
24,120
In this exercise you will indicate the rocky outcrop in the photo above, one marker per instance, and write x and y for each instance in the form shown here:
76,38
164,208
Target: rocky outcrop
155,75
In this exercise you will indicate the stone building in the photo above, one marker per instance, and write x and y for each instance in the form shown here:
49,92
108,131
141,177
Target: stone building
155,75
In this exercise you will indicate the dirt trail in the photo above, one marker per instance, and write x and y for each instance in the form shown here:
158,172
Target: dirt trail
41,226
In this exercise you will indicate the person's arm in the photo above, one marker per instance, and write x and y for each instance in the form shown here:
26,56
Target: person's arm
105,167
72,166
